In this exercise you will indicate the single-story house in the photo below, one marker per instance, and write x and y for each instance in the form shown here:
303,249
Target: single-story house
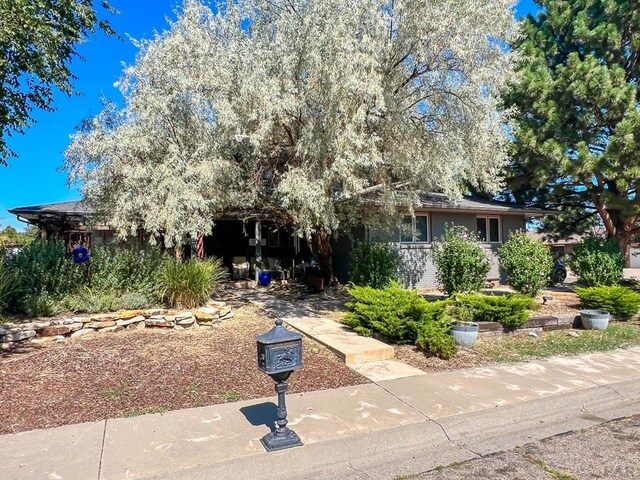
240,239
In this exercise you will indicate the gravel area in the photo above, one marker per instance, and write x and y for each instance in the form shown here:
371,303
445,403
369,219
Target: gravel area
133,372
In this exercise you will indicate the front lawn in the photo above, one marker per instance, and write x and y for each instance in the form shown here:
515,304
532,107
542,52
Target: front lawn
523,347
133,372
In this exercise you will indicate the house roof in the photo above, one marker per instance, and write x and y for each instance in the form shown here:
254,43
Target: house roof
468,203
72,209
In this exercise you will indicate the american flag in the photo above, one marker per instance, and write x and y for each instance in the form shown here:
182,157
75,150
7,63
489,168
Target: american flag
200,245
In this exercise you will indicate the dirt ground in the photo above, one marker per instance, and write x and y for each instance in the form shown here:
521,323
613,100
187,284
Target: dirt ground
132,372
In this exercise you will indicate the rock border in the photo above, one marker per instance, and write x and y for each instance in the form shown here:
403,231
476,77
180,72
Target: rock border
13,335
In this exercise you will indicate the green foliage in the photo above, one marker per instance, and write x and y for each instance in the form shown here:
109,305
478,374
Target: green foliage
126,269
375,264
190,283
577,122
620,301
41,305
10,236
10,287
461,264
433,337
393,312
95,301
511,311
402,316
597,262
38,40
527,263
44,267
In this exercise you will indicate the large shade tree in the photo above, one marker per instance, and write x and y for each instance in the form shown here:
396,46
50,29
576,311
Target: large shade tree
577,144
38,41
295,107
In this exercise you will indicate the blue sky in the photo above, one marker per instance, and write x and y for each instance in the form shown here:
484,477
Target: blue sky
34,177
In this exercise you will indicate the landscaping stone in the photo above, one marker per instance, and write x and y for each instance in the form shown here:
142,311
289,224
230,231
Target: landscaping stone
157,317
105,317
227,315
183,315
114,328
18,336
224,311
136,325
170,318
7,345
151,312
68,321
128,314
533,334
53,330
59,338
217,303
10,330
158,322
74,327
130,321
186,322
82,332
207,313
42,340
81,319
101,324
36,325
573,333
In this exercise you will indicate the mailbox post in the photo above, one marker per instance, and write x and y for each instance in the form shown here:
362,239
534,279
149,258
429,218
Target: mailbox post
279,354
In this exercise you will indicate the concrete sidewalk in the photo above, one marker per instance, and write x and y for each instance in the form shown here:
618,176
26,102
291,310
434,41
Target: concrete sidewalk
367,431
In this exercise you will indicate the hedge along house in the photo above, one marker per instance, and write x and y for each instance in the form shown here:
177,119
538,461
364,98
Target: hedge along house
491,220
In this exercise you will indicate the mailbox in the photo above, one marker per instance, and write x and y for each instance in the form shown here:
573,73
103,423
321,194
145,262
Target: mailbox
279,351
279,354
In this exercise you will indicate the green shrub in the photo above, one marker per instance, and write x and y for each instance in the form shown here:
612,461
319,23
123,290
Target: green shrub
126,269
402,316
597,262
44,267
461,264
393,312
41,305
10,287
94,301
620,301
526,262
375,264
511,311
434,337
191,283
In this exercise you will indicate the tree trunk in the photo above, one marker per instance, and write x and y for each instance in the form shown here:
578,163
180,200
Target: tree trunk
320,245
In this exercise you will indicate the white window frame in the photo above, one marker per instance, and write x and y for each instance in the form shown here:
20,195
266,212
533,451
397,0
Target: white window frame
488,230
413,230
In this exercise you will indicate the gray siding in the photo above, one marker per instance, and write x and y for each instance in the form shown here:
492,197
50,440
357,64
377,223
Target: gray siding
417,269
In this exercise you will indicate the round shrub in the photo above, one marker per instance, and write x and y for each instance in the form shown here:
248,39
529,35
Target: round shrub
526,262
461,264
375,264
620,301
597,261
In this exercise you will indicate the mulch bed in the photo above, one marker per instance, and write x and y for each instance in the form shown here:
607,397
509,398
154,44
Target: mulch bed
133,372
464,358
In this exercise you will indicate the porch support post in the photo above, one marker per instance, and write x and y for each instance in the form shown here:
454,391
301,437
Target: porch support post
258,235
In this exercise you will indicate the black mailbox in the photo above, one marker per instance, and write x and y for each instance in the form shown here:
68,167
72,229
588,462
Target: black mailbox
279,354
279,351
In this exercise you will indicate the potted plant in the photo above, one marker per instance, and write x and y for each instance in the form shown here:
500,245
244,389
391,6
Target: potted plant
594,319
462,328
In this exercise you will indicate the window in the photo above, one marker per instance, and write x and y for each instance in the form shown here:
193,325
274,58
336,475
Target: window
415,229
488,229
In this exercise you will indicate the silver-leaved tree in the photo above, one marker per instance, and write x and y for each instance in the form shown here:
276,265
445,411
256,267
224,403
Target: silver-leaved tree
295,107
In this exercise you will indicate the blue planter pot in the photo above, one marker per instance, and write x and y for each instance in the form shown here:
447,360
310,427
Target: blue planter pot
264,278
594,319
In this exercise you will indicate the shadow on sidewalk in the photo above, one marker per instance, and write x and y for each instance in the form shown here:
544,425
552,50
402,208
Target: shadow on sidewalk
261,414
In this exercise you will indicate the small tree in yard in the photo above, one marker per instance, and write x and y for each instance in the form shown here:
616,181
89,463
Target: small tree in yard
295,107
375,264
461,264
526,262
597,261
